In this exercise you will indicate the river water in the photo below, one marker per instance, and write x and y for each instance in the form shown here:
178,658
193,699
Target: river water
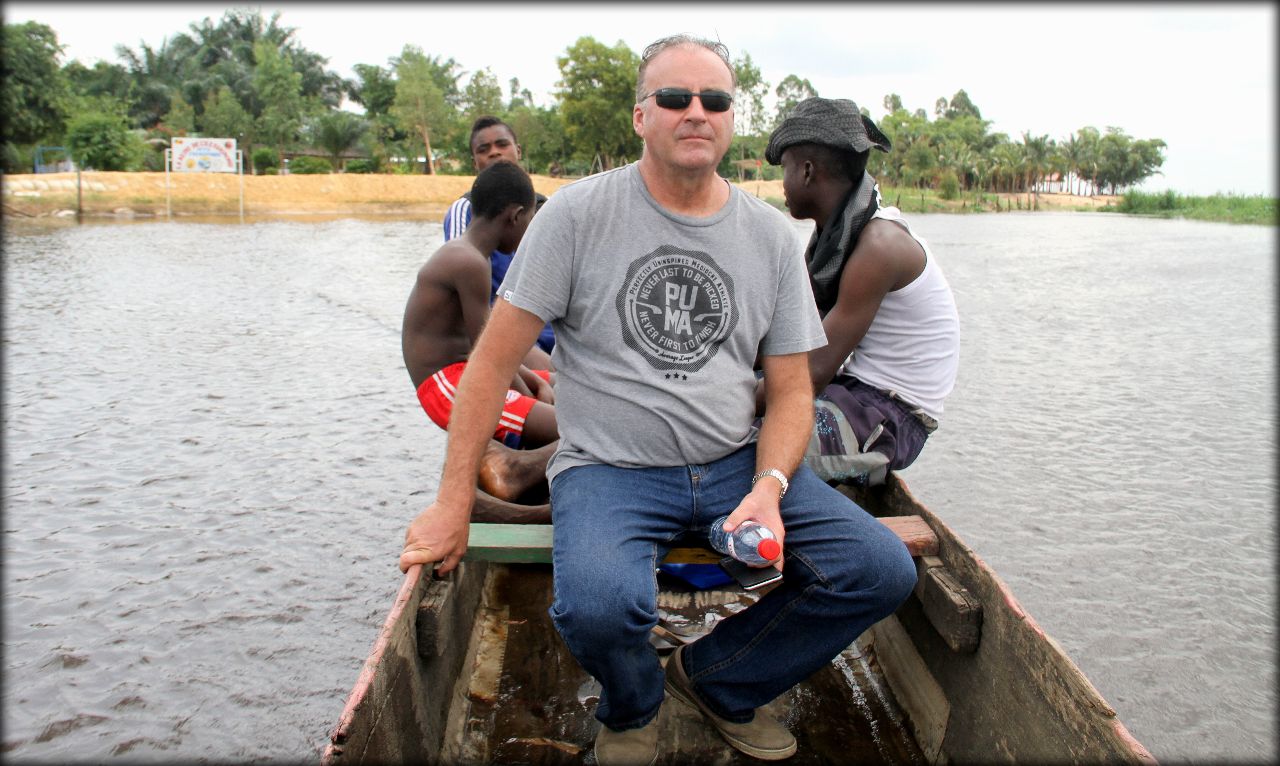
211,450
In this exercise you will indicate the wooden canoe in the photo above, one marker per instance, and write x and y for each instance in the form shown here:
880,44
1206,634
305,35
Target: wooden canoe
468,669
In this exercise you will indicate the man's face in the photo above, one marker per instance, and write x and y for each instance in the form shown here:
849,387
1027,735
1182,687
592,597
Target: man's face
691,138
493,144
794,192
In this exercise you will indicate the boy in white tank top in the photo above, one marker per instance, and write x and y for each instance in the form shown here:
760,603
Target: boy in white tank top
889,315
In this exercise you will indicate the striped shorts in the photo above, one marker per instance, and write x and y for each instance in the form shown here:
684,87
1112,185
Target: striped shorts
436,395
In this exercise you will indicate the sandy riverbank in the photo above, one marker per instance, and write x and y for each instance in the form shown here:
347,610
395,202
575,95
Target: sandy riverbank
145,195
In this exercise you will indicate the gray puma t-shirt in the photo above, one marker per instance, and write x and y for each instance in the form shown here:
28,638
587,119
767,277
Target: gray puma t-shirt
659,318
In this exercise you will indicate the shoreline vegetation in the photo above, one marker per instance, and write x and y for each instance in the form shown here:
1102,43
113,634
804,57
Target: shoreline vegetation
246,79
143,195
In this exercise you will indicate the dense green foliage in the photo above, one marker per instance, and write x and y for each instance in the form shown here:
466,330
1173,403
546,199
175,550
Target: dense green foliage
949,185
362,166
246,77
426,101
596,94
103,142
305,165
34,93
262,158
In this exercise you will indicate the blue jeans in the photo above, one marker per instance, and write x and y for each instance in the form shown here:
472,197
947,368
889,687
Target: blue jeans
843,571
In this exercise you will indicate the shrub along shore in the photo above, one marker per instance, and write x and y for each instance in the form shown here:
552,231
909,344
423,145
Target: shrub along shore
150,195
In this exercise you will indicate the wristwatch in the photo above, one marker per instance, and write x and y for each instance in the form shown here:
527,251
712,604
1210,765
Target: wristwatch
775,473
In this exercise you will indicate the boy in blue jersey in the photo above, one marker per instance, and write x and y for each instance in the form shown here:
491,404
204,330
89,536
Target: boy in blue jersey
492,140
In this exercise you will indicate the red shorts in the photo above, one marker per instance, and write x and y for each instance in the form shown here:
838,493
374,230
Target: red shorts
437,392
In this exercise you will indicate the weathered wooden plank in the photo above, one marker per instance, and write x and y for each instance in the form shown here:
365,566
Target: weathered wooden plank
915,532
951,609
386,702
531,543
915,688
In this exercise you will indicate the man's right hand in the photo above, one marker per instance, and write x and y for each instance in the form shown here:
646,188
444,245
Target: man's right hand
438,534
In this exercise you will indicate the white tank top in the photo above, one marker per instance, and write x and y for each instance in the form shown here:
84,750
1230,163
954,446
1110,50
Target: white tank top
913,345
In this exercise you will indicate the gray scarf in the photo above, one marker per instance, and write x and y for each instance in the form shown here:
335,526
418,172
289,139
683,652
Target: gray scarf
830,248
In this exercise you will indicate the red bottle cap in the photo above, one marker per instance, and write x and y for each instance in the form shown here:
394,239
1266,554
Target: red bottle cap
769,549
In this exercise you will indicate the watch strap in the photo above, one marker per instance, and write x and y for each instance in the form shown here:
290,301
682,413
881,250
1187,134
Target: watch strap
775,473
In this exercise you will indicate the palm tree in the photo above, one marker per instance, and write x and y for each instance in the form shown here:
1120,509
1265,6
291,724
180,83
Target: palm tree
1073,153
1007,159
983,169
158,74
965,162
336,132
1058,164
1090,161
1036,150
224,53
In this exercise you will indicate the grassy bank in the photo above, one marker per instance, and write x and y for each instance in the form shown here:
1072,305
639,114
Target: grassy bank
1219,207
1225,208
912,200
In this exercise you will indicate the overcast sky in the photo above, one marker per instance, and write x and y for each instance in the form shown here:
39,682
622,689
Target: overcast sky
1200,77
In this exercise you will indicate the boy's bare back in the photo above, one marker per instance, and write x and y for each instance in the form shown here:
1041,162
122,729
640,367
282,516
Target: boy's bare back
446,310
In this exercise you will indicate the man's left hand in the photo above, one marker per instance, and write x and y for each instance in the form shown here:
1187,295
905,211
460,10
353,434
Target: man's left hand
761,505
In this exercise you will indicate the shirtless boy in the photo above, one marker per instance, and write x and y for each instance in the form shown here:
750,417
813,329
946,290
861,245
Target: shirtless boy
449,305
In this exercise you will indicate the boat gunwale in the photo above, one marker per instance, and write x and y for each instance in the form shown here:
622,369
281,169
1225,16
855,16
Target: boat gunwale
896,498
360,692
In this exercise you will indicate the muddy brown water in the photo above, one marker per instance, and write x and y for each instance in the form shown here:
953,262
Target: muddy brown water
211,450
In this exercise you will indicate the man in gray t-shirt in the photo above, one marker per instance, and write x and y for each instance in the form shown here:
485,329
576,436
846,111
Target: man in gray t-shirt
660,329
664,284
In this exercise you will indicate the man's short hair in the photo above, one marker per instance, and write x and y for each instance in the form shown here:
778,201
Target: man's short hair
488,121
499,186
835,162
658,46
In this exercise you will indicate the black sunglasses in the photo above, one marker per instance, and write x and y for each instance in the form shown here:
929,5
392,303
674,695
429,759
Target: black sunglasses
680,98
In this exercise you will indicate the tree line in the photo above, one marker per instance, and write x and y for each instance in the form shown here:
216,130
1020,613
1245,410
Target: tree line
247,77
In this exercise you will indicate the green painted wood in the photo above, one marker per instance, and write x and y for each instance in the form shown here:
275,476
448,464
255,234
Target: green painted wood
531,544
509,543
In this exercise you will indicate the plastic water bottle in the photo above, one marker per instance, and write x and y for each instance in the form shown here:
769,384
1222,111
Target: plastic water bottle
751,542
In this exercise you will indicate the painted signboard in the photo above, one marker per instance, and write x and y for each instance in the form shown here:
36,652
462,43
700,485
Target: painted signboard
203,155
